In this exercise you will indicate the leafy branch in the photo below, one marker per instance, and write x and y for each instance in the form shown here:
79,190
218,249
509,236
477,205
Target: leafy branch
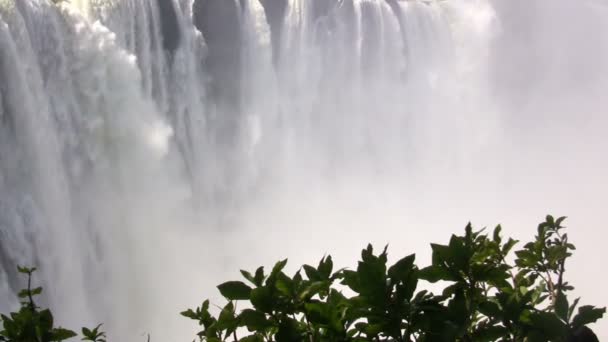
485,297
32,324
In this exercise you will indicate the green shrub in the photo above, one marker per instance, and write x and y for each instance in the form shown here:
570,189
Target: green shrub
485,298
32,324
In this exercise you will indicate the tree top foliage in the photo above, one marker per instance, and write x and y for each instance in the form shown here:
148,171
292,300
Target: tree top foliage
485,297
491,292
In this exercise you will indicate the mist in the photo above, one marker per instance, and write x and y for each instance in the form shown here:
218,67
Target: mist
159,166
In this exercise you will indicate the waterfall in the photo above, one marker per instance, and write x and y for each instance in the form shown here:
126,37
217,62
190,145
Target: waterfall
151,148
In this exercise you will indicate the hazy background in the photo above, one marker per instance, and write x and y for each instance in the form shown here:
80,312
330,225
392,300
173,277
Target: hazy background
141,174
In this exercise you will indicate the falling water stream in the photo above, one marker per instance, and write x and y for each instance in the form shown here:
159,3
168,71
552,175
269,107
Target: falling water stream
151,148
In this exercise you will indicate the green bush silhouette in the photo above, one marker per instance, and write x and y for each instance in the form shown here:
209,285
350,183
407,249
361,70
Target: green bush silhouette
32,324
485,298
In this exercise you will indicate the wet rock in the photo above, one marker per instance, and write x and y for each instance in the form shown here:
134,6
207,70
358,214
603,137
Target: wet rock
275,16
169,25
218,21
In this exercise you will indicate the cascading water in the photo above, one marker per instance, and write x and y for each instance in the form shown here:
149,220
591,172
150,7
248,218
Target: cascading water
150,148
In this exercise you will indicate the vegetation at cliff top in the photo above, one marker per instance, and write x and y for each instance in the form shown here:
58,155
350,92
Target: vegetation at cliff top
491,292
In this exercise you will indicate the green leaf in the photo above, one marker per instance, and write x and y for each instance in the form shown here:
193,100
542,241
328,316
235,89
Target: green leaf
457,308
490,273
297,279
235,290
490,309
526,258
549,324
45,319
550,220
93,335
311,273
227,320
317,313
248,276
253,320
325,267
586,315
189,314
351,279
262,299
508,246
562,306
496,236
460,255
284,284
572,307
313,289
372,276
402,268
26,270
252,338
288,331
278,267
434,274
259,276
491,333
373,329
60,334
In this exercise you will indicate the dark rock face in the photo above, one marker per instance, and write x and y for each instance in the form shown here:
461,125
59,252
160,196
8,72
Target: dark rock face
321,8
275,15
169,25
218,21
275,11
371,38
